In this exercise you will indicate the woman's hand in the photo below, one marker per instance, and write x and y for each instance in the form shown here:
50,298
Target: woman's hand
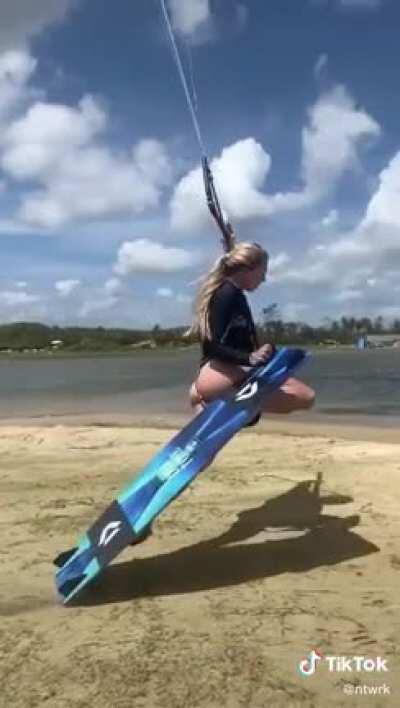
260,356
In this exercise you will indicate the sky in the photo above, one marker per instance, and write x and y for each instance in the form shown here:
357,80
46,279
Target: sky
103,220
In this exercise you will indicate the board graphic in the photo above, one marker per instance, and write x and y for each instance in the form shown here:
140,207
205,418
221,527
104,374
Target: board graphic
169,473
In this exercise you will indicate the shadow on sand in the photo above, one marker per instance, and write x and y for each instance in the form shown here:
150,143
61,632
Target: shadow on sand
215,563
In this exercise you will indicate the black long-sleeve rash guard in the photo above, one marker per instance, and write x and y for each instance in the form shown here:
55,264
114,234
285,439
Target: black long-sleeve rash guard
233,333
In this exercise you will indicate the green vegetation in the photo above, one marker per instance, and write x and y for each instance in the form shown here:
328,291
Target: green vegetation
343,331
30,336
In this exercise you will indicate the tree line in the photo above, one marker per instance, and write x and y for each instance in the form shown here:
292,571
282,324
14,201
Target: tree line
26,336
22,336
344,330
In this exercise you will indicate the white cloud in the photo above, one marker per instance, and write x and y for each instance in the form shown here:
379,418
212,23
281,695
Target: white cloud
184,299
320,65
12,298
148,256
357,269
21,19
239,174
66,287
58,147
295,311
331,219
330,141
305,274
34,145
352,5
57,152
10,227
113,286
197,21
278,261
347,295
336,127
372,248
242,170
152,162
164,292
16,68
384,207
96,305
187,16
187,204
277,266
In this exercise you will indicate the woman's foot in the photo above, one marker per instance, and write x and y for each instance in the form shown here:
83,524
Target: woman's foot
196,401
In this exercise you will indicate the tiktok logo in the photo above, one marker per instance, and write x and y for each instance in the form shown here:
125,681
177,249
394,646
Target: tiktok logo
342,664
307,666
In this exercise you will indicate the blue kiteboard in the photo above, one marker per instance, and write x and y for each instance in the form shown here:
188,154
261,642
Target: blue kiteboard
128,518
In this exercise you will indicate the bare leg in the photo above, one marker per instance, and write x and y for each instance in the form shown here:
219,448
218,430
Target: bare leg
216,378
293,395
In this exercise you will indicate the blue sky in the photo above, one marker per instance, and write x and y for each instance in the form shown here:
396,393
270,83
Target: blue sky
102,213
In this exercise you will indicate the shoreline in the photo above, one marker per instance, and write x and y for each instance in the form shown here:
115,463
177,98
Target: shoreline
368,428
127,351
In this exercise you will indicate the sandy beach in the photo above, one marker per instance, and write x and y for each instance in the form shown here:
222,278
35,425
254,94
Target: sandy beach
289,542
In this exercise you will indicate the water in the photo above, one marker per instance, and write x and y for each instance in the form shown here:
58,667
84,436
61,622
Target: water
349,384
356,382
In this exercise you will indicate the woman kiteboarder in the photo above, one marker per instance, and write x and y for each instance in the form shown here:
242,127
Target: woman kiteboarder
225,326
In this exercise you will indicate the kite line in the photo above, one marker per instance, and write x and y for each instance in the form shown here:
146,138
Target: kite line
228,237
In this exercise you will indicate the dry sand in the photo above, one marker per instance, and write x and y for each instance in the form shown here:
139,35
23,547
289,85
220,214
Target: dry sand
251,568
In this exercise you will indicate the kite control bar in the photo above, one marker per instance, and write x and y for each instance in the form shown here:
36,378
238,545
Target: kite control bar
228,236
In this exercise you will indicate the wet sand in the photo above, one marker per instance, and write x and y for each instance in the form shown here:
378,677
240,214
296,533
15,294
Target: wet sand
289,542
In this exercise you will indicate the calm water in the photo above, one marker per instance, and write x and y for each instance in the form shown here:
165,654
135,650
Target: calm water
348,384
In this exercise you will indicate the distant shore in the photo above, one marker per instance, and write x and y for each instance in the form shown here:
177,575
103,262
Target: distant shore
61,352
159,349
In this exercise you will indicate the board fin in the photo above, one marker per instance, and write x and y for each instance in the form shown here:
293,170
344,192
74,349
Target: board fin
64,557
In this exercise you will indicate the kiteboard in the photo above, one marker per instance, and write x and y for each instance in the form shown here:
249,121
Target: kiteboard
128,518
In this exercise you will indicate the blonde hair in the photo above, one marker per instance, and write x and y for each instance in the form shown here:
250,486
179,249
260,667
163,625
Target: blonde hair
243,256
